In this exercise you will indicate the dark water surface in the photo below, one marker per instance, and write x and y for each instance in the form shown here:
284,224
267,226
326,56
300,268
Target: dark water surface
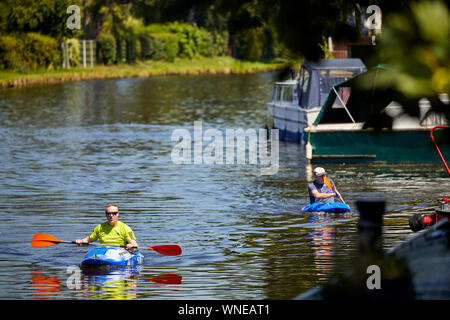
67,150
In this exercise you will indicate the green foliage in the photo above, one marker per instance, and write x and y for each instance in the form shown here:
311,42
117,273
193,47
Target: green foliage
47,17
30,51
167,41
172,47
117,19
121,53
11,53
159,46
132,50
416,47
74,52
250,44
107,48
220,40
415,51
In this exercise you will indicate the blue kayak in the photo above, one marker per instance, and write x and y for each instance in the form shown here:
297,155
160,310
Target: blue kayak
335,207
111,256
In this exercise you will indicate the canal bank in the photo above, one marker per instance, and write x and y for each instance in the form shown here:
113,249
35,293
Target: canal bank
217,65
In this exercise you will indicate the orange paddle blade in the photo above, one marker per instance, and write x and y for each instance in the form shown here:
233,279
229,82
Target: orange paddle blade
168,249
44,240
327,182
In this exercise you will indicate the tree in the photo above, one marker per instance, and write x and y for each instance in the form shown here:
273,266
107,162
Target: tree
47,17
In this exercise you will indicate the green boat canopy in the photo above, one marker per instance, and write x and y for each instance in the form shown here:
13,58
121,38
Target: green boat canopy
348,101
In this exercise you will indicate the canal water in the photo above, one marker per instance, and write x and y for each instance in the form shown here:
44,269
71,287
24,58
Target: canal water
66,150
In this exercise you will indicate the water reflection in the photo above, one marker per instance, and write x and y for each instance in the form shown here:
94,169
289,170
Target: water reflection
325,241
45,286
112,283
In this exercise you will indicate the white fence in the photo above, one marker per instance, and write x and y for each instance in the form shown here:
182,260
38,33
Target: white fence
84,56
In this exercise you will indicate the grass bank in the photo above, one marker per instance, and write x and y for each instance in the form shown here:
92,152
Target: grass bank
217,65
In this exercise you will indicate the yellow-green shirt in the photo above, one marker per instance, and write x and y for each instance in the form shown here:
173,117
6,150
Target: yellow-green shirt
120,234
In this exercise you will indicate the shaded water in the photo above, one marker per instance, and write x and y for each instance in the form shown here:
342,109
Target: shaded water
67,150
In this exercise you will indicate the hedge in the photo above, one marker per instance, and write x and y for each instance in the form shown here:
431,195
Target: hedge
28,51
167,41
159,46
107,48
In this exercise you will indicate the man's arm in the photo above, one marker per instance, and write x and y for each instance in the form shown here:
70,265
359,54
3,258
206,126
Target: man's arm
320,195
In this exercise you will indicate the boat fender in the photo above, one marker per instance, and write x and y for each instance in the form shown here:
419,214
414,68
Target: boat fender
308,150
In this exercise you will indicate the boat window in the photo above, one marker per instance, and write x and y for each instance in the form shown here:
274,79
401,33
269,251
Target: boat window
274,93
303,86
287,94
278,96
328,78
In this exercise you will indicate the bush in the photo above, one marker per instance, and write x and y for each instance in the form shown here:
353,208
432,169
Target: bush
172,47
22,52
121,54
44,51
133,47
188,39
250,44
162,46
12,54
220,43
168,41
152,48
204,41
107,48
74,52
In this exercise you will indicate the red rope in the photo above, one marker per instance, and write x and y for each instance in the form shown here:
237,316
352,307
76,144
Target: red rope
437,148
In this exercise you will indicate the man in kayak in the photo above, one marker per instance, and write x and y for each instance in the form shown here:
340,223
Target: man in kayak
319,191
113,231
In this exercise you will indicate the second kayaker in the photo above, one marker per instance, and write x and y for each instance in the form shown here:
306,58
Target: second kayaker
112,232
319,191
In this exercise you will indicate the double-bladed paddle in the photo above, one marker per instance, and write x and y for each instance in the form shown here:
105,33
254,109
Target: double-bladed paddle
46,240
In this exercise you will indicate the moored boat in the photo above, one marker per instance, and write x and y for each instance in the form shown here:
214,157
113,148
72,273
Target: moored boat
296,103
111,256
339,134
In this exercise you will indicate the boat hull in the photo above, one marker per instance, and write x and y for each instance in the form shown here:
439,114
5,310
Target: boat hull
111,256
291,120
367,146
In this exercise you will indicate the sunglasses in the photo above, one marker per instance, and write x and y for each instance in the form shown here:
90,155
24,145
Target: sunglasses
113,213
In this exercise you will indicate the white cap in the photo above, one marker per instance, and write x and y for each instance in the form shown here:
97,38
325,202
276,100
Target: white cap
319,171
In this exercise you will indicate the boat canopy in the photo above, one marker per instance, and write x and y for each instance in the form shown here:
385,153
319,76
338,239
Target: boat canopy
317,78
347,102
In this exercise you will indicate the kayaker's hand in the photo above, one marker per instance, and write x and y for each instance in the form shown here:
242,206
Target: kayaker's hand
132,247
80,242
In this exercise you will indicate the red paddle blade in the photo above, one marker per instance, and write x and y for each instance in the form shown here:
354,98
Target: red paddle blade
168,249
44,240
